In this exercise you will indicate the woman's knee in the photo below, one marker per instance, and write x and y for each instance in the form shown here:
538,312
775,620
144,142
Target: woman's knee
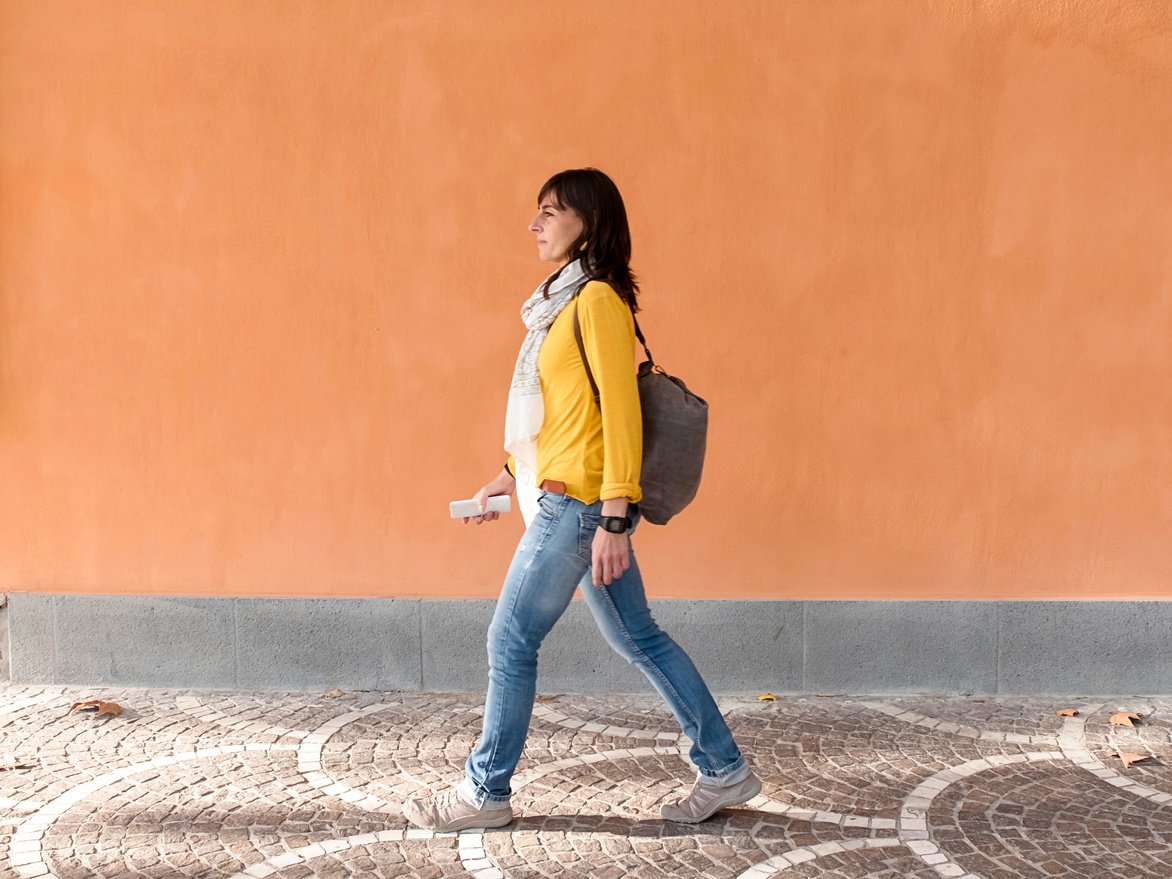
634,643
619,644
512,643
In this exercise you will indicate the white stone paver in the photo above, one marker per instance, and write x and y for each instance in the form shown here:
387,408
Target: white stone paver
309,762
549,715
1074,747
309,852
194,706
778,864
988,735
521,779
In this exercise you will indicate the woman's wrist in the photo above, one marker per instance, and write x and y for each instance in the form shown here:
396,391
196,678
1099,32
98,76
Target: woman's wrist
616,506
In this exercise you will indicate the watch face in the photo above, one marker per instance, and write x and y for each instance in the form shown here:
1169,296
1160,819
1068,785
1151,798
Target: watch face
615,524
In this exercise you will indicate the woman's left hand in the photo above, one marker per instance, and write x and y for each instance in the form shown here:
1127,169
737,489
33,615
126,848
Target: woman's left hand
611,554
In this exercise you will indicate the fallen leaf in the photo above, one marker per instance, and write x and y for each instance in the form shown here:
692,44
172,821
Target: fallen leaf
332,694
766,697
102,706
549,697
1067,712
1129,758
1124,718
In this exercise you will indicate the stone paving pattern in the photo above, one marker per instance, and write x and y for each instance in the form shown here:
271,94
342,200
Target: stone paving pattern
246,785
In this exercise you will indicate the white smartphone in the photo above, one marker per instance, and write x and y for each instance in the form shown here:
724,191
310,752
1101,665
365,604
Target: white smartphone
496,504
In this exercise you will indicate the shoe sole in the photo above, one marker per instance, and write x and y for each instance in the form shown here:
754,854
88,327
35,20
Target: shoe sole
741,798
469,823
481,823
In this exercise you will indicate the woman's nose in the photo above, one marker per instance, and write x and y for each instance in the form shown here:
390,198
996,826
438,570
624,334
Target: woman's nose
533,226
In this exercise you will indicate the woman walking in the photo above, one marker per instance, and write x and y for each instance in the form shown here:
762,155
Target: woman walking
574,465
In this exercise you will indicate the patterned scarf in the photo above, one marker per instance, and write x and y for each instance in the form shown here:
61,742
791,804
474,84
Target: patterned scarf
525,411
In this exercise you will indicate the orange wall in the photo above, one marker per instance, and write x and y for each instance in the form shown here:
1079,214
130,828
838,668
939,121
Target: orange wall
261,265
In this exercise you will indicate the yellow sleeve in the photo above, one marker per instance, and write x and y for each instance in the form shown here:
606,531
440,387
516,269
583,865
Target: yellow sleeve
608,335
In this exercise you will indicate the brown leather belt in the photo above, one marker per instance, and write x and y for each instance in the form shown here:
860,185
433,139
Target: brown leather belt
554,487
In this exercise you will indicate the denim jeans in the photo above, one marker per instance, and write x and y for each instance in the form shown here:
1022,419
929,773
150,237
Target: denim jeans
553,559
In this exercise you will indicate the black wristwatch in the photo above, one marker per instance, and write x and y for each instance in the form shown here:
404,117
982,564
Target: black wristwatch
614,524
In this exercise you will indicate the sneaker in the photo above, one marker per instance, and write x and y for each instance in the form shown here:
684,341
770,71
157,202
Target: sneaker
447,811
705,799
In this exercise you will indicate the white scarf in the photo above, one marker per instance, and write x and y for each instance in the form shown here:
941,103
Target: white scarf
526,411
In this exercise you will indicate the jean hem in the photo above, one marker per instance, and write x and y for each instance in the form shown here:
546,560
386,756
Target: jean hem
720,774
475,792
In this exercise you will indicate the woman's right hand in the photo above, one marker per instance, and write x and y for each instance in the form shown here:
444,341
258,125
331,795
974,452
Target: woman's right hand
503,484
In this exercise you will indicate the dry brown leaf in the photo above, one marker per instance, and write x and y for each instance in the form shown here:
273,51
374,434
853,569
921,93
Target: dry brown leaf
332,694
1067,712
1124,718
766,697
1129,758
102,706
549,697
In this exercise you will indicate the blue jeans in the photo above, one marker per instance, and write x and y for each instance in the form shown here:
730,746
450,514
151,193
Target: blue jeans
552,559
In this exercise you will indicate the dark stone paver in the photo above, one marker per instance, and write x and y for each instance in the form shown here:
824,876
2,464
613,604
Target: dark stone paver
230,784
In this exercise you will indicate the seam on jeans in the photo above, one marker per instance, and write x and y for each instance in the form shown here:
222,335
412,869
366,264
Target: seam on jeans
512,609
587,525
585,539
627,636
558,501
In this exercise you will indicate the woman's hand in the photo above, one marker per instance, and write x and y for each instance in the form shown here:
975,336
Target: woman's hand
611,555
503,484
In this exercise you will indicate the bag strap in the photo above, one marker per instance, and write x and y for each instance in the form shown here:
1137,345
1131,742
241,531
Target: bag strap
582,351
582,348
642,341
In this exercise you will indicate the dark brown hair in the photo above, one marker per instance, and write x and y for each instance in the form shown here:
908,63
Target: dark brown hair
595,199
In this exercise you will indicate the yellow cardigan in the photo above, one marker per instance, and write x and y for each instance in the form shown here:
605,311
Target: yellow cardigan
597,455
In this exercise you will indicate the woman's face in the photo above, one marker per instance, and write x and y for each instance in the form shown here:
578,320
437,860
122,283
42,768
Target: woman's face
556,230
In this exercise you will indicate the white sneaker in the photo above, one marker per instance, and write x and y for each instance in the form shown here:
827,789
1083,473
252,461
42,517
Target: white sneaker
706,799
447,811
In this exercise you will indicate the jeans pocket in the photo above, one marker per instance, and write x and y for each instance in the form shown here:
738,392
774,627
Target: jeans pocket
587,527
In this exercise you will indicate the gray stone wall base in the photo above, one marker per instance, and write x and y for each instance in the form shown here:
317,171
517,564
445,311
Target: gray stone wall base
859,647
4,663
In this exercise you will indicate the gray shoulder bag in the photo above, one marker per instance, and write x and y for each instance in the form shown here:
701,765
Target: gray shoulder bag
675,434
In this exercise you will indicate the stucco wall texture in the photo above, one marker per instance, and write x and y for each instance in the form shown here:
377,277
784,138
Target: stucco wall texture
261,267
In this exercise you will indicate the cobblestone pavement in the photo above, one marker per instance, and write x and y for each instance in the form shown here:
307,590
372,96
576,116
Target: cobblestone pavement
229,784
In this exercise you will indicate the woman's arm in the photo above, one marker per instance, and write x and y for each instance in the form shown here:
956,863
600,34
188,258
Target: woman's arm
608,335
609,339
